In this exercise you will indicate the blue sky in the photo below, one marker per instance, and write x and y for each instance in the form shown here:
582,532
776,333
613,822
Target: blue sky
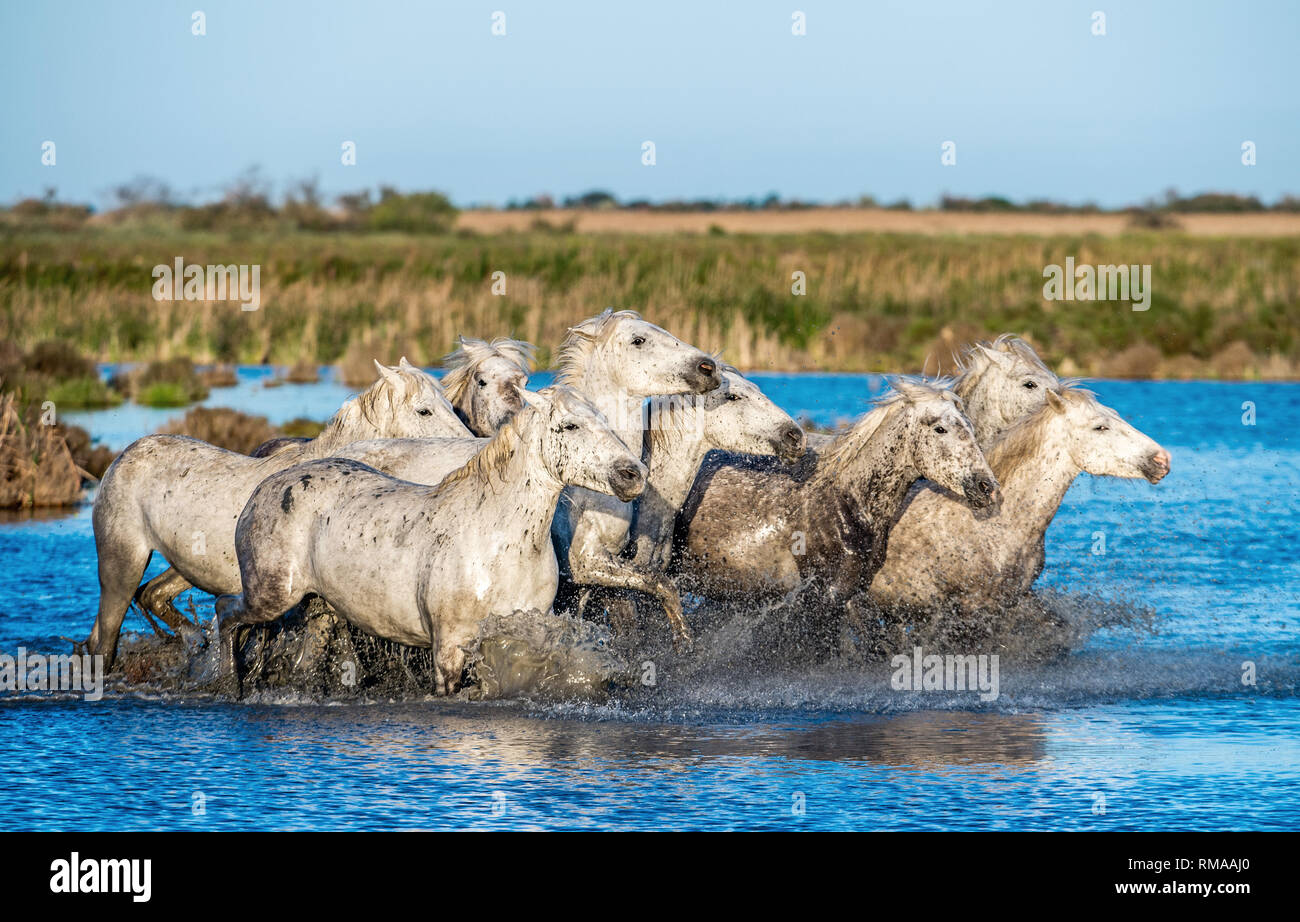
736,105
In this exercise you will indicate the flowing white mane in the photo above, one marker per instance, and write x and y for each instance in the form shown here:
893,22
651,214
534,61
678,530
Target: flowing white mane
581,340
849,444
464,363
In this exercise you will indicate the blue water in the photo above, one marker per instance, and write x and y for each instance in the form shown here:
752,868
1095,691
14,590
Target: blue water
1134,730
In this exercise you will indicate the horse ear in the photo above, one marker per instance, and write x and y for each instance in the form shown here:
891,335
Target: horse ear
388,374
997,356
405,365
541,402
1055,402
904,386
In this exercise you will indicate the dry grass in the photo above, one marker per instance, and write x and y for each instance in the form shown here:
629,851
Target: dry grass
864,220
218,376
303,372
874,301
36,467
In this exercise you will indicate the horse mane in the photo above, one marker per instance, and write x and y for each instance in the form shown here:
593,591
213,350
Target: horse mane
1022,442
666,415
463,363
581,341
849,444
493,457
974,361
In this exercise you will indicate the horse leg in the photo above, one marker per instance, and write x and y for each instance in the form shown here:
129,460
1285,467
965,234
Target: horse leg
620,611
604,570
262,601
449,662
156,597
122,562
622,618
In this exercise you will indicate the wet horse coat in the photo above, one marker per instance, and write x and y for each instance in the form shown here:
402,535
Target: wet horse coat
424,565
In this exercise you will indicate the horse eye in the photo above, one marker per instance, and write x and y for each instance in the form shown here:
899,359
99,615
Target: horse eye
1031,384
482,382
424,411
1101,428
569,427
940,430
638,340
733,396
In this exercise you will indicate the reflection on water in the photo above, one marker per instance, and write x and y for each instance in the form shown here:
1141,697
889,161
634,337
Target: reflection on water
39,514
138,764
925,740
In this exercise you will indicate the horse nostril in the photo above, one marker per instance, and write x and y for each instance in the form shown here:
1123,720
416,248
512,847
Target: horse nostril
628,474
986,486
794,436
708,367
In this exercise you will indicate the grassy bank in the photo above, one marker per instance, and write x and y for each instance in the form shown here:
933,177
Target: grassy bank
1220,307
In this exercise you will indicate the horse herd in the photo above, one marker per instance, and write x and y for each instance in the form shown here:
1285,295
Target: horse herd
648,469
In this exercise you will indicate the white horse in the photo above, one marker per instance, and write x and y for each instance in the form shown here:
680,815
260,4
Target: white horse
679,433
616,360
599,358
445,418
737,418
424,565
941,552
484,379
181,497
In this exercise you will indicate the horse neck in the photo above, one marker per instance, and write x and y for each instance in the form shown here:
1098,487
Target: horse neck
874,482
1035,483
675,456
518,499
987,420
346,427
674,459
621,410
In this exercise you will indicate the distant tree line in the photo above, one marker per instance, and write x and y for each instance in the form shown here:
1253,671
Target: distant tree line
247,204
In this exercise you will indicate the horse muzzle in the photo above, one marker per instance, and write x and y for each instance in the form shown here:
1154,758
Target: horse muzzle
702,375
1156,467
627,480
791,445
982,491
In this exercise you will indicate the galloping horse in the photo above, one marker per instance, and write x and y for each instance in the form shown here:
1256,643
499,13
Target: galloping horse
181,497
424,565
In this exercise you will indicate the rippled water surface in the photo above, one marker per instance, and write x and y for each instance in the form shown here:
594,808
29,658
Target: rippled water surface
1134,730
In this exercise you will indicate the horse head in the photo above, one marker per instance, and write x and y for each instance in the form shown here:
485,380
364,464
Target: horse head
617,351
1100,442
942,443
404,403
739,417
1001,383
579,449
483,381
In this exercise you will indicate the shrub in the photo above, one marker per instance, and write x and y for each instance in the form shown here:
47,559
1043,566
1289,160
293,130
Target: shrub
224,427
416,213
36,468
167,383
